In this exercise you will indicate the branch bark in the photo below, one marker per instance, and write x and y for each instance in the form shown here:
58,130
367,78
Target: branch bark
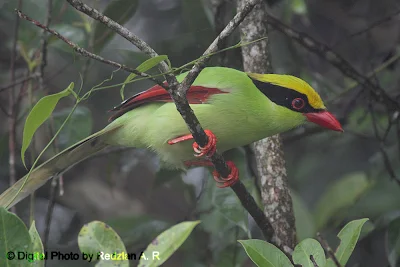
268,152
178,93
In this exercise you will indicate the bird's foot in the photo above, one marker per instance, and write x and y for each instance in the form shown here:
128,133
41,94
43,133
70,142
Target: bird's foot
208,150
222,182
231,179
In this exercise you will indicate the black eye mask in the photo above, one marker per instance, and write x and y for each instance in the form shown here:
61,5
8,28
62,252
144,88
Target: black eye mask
285,97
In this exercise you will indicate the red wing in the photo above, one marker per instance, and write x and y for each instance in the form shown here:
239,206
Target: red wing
195,95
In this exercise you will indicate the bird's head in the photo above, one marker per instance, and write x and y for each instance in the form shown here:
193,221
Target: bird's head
301,101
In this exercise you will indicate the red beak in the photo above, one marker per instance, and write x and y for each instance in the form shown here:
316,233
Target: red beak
324,119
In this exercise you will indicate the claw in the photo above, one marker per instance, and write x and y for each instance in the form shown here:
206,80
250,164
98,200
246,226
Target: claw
209,149
199,151
231,179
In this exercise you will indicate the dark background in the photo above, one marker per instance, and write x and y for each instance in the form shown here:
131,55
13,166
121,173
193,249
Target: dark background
334,177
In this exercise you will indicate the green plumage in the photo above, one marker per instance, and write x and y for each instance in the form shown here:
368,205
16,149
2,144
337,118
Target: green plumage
239,117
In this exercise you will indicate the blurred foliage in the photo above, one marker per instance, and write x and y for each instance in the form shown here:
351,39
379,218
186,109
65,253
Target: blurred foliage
79,126
393,242
102,34
334,178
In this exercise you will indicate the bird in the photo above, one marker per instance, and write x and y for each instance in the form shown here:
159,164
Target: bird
235,108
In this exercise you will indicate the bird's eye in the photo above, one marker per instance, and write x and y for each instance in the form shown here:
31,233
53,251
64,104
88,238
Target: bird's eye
298,103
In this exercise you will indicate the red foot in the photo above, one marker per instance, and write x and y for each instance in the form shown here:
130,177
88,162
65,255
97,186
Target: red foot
232,178
208,150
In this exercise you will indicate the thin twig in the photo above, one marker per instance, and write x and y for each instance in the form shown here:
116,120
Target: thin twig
328,249
12,108
336,60
125,33
313,261
86,53
22,80
370,27
44,42
50,208
4,110
178,93
385,156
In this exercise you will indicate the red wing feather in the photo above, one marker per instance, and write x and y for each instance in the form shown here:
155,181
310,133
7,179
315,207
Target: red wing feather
195,95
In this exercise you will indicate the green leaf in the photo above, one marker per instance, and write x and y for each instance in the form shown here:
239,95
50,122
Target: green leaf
38,115
348,239
118,10
393,242
306,248
225,204
14,237
264,254
145,66
340,196
164,245
223,232
97,237
79,126
137,231
37,246
231,208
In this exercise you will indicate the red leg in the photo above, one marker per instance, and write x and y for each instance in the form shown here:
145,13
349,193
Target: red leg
230,180
208,150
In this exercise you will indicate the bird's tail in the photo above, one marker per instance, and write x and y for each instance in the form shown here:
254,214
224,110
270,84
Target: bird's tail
55,166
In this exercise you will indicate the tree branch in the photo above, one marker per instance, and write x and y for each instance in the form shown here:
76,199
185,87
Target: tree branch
271,168
178,93
86,53
44,42
12,111
336,60
328,250
125,33
11,85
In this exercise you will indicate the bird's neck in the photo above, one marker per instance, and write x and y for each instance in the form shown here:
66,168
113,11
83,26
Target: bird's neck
268,119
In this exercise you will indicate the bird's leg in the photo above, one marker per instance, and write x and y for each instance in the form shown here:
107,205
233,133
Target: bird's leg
207,151
230,180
